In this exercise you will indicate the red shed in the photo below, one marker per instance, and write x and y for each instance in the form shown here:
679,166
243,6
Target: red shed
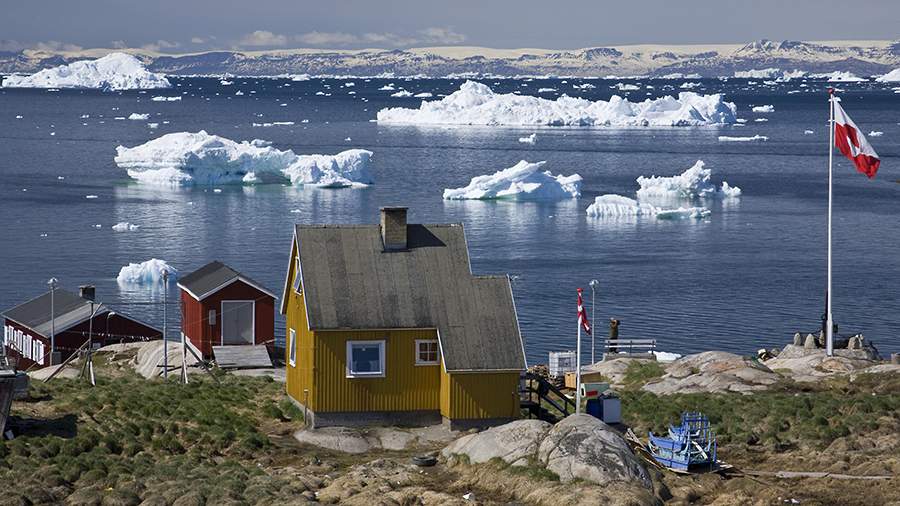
222,307
29,326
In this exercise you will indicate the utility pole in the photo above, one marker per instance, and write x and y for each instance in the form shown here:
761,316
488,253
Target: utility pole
165,276
52,284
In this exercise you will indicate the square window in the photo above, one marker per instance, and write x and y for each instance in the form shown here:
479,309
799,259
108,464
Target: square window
426,352
365,359
292,345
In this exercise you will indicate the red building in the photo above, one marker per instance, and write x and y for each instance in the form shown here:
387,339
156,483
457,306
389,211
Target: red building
222,307
28,327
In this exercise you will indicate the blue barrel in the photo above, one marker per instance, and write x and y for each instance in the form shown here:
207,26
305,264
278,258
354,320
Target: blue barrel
594,408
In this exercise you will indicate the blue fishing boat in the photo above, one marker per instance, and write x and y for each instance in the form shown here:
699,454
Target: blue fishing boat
689,446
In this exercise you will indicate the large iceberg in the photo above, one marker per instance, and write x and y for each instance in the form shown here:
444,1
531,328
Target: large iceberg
476,104
839,77
185,158
693,183
115,71
523,181
618,206
146,273
891,77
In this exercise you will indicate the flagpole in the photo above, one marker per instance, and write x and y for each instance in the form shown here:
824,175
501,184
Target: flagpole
578,368
829,326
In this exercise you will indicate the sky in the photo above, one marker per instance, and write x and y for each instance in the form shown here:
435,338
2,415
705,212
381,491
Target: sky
179,26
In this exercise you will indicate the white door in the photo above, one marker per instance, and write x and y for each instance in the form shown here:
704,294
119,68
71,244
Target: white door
237,322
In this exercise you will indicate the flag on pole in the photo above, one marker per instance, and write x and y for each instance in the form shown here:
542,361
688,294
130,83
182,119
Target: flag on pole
582,315
853,144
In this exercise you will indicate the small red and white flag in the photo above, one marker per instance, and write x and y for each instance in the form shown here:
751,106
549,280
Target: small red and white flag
853,144
582,316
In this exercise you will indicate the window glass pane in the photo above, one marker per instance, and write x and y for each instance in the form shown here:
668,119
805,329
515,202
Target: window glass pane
366,358
293,346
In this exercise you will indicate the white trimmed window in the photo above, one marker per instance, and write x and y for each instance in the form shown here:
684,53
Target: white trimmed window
365,359
426,352
292,358
297,286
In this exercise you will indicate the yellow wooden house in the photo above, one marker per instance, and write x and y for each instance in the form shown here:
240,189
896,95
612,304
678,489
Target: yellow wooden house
387,325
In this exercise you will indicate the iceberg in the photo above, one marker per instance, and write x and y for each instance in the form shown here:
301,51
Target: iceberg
113,72
763,108
618,206
523,181
476,104
755,138
839,77
693,183
124,226
138,116
167,99
757,74
186,158
146,273
891,77
528,139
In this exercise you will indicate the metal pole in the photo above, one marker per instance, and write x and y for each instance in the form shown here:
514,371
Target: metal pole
165,276
594,283
578,362
184,377
829,323
52,284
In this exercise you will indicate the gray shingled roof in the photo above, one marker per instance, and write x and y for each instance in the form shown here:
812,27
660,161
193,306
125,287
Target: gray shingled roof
69,309
349,282
214,275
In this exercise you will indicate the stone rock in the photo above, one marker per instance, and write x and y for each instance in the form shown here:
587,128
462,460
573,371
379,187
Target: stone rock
810,365
713,371
364,439
515,442
583,447
798,339
810,343
613,369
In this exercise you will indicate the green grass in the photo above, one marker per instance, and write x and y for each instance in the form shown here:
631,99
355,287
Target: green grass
640,372
808,416
129,439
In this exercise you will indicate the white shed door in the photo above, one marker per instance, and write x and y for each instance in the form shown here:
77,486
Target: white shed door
237,322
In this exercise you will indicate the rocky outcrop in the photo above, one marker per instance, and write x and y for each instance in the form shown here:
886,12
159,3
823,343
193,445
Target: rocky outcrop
580,447
361,440
713,371
805,364
583,447
515,443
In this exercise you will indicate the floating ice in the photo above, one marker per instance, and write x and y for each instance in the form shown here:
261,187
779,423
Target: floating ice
625,87
546,90
585,86
757,74
115,71
186,158
761,120
172,99
618,206
528,139
764,108
523,181
693,183
401,94
875,133
424,94
755,138
891,77
146,273
690,86
839,77
124,226
387,87
475,104
665,356
138,117
808,132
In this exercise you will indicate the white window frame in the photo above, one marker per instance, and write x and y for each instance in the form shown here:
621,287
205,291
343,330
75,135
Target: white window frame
292,348
298,286
437,352
252,304
382,345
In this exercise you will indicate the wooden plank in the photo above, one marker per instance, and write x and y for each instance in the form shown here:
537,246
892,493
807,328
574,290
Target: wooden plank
242,357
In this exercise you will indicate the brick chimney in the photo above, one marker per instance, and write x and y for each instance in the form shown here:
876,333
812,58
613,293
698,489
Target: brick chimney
87,292
393,228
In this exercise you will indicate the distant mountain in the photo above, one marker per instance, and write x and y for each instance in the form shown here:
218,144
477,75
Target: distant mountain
864,58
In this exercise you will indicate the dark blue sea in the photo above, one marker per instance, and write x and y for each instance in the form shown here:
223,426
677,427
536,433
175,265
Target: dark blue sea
747,277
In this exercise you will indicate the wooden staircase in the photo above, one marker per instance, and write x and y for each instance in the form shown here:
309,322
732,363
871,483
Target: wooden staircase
542,399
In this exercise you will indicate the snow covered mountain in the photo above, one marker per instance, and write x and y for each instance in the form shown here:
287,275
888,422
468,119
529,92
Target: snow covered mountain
864,58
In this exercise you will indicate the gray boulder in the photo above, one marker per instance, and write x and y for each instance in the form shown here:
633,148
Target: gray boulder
514,442
583,447
713,371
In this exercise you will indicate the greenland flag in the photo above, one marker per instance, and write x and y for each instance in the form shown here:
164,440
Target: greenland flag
853,144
